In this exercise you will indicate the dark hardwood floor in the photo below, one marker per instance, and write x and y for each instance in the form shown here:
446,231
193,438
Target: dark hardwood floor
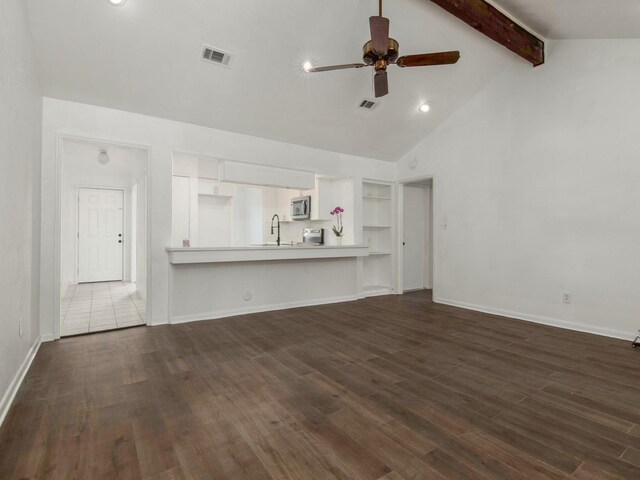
386,388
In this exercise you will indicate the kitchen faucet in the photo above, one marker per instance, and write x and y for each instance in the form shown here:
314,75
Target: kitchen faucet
272,218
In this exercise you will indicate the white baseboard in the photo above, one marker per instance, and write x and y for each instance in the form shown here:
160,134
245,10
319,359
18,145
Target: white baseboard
257,309
552,322
10,394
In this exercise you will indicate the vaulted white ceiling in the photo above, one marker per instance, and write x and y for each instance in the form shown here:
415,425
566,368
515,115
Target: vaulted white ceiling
144,57
578,19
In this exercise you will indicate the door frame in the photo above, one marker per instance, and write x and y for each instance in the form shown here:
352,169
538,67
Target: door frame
125,233
61,137
400,228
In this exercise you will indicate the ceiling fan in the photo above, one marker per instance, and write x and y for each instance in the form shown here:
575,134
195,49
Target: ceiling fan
382,51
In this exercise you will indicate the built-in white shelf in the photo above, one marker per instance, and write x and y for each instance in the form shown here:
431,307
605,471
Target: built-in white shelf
377,219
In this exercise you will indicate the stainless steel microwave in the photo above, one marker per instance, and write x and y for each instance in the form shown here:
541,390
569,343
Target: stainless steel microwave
301,208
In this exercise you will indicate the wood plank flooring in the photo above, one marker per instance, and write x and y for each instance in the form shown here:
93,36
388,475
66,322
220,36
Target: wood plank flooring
389,388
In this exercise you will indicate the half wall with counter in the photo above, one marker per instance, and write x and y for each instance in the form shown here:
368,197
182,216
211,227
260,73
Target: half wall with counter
208,283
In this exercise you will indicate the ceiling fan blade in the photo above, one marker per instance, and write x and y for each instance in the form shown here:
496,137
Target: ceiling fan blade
428,59
336,67
379,34
381,83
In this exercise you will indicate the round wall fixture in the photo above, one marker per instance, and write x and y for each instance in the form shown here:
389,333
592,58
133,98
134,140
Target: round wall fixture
413,163
247,296
103,157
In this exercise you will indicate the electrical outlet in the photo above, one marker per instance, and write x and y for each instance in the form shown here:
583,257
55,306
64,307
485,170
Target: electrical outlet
20,326
566,297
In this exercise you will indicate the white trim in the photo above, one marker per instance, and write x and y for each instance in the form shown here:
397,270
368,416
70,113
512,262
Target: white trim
552,322
11,392
258,309
378,292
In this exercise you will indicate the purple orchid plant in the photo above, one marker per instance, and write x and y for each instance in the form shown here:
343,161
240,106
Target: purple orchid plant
338,229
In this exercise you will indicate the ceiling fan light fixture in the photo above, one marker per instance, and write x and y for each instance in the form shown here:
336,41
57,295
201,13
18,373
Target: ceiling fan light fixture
382,51
424,108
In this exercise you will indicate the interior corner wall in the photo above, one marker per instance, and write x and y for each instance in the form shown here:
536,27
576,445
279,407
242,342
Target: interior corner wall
20,136
162,138
537,191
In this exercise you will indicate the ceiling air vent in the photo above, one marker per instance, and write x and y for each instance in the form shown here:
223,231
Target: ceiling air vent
367,104
216,56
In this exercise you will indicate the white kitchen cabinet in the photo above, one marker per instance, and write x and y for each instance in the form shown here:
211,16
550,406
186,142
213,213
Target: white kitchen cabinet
226,189
207,186
322,201
263,175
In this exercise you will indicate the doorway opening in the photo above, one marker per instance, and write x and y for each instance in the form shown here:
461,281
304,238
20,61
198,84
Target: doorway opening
103,214
417,235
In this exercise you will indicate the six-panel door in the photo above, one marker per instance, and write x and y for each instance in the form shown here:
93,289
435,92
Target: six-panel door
100,235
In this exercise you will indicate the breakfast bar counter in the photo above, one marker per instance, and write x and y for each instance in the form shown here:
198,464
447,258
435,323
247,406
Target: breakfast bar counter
258,253
215,282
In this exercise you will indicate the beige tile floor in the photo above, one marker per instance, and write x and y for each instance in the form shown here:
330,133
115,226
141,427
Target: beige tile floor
93,307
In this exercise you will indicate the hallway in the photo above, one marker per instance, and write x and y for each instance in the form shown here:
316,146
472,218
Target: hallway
94,307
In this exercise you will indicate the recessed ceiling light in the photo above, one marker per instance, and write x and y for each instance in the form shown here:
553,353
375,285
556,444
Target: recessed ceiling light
306,66
424,108
117,3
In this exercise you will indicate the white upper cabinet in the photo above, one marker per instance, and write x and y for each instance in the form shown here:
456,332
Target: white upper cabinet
207,186
250,174
321,198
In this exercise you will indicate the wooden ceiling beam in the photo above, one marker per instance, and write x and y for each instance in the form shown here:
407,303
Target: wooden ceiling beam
490,21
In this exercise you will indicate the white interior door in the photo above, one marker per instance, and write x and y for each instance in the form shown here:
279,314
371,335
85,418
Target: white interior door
414,237
100,235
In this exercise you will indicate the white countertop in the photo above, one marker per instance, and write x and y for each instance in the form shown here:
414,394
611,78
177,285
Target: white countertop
258,253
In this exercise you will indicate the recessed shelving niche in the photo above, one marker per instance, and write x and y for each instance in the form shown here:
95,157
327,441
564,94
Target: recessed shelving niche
377,221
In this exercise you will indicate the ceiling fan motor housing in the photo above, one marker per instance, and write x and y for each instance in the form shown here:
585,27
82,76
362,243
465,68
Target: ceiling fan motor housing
370,57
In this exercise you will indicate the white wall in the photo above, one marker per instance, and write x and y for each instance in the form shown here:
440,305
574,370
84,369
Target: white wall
163,137
537,180
20,124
